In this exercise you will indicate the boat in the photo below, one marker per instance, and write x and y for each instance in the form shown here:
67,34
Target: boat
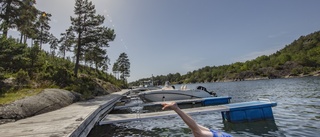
168,93
147,85
144,88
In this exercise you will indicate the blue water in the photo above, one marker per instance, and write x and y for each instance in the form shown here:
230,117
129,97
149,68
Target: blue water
297,112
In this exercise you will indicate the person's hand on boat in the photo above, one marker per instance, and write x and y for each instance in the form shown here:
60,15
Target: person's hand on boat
169,105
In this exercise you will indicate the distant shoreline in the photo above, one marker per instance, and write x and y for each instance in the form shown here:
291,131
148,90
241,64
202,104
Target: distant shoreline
313,74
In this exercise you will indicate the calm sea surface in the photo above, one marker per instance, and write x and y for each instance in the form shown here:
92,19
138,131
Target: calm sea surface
297,112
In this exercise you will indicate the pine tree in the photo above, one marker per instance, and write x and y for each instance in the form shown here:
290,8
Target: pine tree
105,63
43,27
12,55
95,55
54,43
26,20
123,66
115,70
66,40
9,11
96,52
87,25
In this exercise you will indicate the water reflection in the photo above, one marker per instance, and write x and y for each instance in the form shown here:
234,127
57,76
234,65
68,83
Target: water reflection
136,129
114,131
259,128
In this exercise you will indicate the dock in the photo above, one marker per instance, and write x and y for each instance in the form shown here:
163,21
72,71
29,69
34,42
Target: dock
249,111
203,101
236,112
117,118
75,120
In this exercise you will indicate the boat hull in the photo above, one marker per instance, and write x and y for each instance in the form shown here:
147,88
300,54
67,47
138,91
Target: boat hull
168,95
142,89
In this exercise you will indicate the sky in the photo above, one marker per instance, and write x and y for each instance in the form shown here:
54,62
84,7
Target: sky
180,36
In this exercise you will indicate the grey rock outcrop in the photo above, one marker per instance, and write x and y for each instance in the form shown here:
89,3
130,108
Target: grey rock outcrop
47,100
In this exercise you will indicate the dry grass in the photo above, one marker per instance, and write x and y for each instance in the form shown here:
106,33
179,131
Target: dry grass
12,96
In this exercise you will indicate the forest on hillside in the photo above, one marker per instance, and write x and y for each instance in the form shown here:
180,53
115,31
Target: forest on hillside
25,65
301,57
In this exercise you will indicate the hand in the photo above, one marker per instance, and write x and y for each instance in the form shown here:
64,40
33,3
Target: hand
169,105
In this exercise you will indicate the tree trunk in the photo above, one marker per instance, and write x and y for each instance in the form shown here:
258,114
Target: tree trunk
64,54
6,20
5,32
21,37
97,70
25,39
78,56
41,38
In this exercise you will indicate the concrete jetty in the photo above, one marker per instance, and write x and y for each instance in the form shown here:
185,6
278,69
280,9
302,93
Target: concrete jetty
204,101
117,118
75,120
235,112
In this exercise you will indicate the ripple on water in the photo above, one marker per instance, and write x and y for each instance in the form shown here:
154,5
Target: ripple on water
297,112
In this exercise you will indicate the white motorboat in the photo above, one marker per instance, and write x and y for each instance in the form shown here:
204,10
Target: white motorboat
168,93
147,85
141,89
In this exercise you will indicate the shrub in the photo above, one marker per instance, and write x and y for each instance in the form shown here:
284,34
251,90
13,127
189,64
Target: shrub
1,74
84,86
22,77
62,77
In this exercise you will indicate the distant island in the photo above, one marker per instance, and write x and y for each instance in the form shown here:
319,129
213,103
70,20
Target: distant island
298,59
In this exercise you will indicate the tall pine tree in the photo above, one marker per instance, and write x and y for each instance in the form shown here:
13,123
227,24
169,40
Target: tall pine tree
115,70
26,20
9,11
54,43
123,66
90,34
43,27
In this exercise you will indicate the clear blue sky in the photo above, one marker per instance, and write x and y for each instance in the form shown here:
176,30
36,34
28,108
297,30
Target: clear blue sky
170,36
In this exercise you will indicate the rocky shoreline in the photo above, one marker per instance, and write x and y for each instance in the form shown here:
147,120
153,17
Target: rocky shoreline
46,101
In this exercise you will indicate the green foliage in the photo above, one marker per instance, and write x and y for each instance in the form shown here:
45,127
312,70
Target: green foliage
84,86
9,14
12,55
122,65
296,71
92,37
22,77
26,22
33,67
62,77
67,40
12,96
1,73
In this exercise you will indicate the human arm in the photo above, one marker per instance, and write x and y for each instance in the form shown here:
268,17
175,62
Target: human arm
197,130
